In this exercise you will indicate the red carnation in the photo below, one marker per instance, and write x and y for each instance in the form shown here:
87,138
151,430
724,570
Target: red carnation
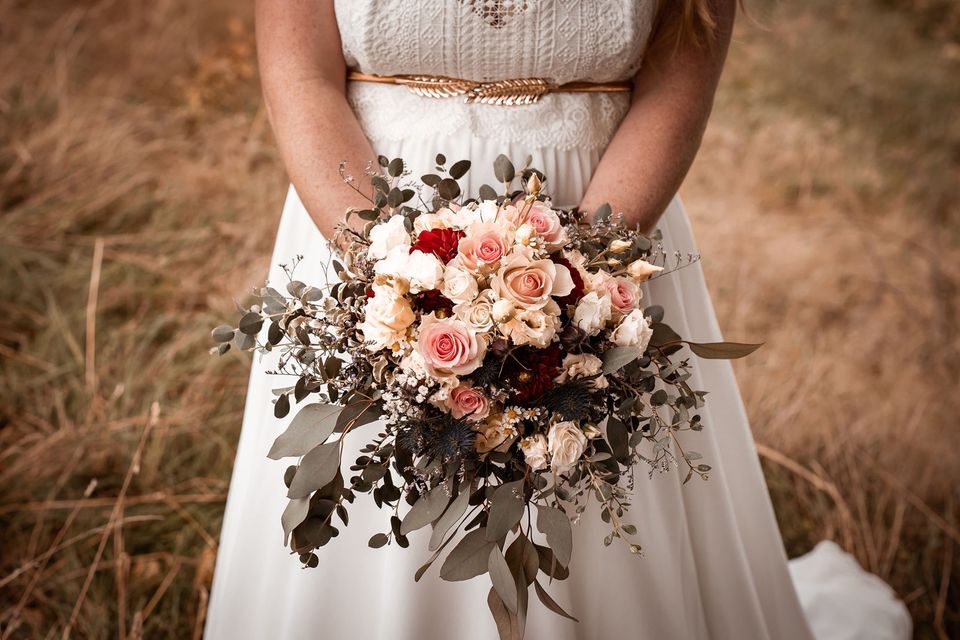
531,371
442,243
574,296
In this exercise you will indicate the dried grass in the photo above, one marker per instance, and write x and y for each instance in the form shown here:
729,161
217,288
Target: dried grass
136,167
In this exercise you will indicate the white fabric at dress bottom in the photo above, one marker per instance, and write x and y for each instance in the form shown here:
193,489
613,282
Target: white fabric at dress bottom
714,564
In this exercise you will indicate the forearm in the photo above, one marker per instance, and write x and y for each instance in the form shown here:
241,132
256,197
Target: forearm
304,78
650,154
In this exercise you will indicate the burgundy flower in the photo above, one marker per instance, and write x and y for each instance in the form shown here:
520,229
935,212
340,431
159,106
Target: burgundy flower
433,300
440,242
530,371
574,296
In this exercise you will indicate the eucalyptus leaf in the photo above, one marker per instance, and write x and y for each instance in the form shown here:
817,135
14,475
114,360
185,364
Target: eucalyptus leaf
310,427
425,510
295,512
506,509
502,579
223,333
723,350
459,169
503,169
469,558
316,469
507,624
550,603
617,438
556,526
487,192
617,358
663,334
453,513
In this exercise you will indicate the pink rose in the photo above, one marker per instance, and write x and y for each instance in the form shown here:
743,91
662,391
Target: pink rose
449,347
464,400
531,283
546,223
483,246
624,294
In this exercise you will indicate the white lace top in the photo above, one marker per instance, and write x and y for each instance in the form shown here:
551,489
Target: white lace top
559,40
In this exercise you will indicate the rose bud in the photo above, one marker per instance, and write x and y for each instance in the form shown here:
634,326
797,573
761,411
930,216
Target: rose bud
619,246
534,185
641,270
500,347
572,336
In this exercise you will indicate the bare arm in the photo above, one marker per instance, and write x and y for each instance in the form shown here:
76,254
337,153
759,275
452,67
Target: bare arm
658,139
304,87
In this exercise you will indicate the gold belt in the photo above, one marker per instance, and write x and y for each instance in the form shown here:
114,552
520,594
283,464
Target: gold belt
518,91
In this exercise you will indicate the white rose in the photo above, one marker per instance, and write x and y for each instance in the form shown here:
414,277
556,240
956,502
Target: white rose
424,271
582,365
477,313
633,331
458,284
566,442
641,270
386,318
531,326
592,313
534,451
387,235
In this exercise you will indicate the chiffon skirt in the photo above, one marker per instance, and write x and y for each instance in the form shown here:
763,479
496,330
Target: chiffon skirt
714,564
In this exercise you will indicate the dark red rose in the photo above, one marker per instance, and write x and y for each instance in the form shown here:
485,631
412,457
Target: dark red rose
433,300
530,371
440,242
574,296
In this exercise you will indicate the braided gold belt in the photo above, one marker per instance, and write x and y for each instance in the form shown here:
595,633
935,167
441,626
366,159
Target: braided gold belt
518,91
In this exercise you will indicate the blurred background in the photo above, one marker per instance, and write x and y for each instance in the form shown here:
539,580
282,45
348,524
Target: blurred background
139,194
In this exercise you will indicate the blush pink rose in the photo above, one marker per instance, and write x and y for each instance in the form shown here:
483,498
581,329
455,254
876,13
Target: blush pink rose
624,294
449,347
464,400
483,246
531,283
546,223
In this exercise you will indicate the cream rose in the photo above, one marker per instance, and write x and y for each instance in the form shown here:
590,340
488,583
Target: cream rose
633,331
534,450
592,313
387,315
449,347
465,401
531,283
458,284
386,236
546,223
428,222
624,294
582,365
493,434
477,313
566,442
531,326
483,246
641,270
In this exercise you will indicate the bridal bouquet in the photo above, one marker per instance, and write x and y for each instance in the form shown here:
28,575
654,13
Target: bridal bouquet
501,353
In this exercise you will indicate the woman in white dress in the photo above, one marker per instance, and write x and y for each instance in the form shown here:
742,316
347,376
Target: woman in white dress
715,565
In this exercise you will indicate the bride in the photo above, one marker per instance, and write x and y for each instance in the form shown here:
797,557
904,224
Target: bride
715,564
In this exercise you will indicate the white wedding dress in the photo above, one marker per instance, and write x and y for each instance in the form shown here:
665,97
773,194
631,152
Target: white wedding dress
714,566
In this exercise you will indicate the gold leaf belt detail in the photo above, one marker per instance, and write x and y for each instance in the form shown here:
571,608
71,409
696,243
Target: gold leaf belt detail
519,91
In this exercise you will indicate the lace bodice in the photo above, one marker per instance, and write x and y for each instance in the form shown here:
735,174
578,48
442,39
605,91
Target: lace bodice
559,40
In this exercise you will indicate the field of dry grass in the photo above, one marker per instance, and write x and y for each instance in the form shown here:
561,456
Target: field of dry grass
139,191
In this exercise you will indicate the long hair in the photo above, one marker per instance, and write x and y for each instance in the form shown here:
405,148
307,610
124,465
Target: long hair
683,21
